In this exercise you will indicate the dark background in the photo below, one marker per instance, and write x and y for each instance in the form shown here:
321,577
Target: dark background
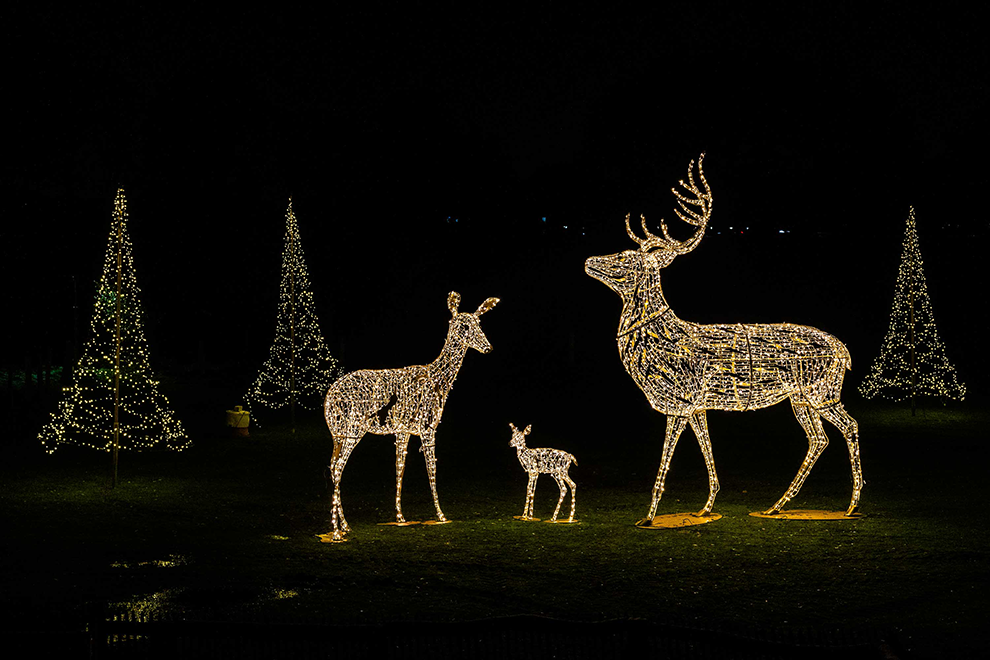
489,151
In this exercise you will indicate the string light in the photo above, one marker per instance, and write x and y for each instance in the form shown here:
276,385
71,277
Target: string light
543,460
685,368
912,360
404,402
299,368
107,378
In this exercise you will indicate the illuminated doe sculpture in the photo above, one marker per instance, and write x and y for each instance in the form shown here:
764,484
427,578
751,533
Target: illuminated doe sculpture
685,368
543,460
406,401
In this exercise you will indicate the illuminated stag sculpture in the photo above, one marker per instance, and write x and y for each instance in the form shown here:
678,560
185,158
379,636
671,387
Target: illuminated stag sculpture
403,402
543,460
686,368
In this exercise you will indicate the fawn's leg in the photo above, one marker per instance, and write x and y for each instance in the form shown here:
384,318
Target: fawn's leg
560,500
674,427
570,482
401,447
530,494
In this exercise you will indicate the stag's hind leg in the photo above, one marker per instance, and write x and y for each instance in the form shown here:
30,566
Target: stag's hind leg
699,424
811,422
675,425
842,420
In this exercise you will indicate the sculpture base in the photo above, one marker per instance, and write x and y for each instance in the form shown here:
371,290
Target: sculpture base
328,538
525,519
807,514
437,522
563,521
675,520
407,523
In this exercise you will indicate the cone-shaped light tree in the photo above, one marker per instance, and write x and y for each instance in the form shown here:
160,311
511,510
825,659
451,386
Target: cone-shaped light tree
299,368
912,360
114,401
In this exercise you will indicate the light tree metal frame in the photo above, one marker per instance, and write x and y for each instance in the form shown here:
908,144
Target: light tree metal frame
299,368
543,460
912,360
406,401
686,369
114,400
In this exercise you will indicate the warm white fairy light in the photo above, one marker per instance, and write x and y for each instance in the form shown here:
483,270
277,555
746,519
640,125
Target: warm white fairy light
543,460
299,368
686,368
85,414
403,402
912,360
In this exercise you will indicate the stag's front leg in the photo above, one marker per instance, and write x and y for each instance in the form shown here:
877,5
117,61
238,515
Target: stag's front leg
429,453
674,427
699,424
401,447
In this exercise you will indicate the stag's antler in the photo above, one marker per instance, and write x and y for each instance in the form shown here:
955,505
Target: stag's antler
698,218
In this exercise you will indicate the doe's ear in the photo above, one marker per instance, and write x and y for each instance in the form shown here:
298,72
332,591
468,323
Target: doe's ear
486,306
528,429
453,302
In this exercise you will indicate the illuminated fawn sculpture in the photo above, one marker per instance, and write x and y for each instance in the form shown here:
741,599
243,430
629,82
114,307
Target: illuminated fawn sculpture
403,402
543,460
686,368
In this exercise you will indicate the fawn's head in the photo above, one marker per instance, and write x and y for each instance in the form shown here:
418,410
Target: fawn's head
623,272
467,325
519,437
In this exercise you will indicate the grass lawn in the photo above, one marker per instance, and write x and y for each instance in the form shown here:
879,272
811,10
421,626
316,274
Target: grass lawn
226,531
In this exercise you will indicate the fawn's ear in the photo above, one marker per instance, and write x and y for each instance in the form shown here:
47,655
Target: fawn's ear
453,302
528,429
513,426
486,306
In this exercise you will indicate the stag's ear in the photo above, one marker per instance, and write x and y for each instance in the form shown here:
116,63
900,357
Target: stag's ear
486,306
453,302
528,429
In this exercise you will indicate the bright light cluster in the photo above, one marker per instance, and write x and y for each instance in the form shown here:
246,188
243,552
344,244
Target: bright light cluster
912,360
101,382
299,368
686,368
543,460
403,402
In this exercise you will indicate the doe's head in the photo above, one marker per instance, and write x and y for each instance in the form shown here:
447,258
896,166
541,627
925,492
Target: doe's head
468,324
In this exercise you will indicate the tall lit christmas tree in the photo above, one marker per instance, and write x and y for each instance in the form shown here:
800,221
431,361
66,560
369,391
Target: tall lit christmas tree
299,368
114,401
912,360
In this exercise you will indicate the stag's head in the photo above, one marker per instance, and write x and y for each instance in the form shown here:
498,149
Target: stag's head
467,325
623,272
519,437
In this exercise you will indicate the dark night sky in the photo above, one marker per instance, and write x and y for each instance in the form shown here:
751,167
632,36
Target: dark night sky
816,117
